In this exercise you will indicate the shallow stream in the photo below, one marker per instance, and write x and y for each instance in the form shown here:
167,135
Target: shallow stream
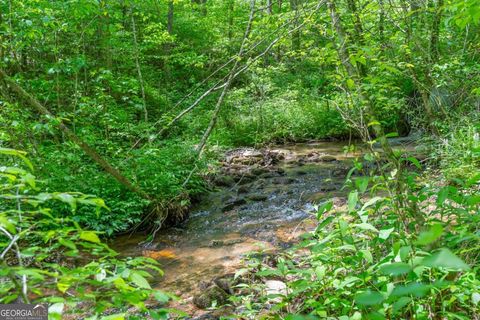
264,207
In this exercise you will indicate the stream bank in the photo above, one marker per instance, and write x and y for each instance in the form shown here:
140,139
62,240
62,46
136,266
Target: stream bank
263,201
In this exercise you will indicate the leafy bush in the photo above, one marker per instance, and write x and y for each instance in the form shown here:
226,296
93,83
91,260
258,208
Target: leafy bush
459,150
47,257
162,172
401,248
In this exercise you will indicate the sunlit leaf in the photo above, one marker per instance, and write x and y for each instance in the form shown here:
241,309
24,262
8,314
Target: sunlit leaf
369,298
444,258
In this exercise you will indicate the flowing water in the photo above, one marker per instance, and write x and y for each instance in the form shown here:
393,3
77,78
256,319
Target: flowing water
266,211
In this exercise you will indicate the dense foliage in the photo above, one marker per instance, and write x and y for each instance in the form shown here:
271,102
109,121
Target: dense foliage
48,257
394,251
118,72
133,102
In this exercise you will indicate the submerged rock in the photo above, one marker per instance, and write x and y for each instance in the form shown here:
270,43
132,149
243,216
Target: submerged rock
233,203
327,158
218,290
257,197
325,188
224,181
259,171
283,180
253,154
243,189
222,243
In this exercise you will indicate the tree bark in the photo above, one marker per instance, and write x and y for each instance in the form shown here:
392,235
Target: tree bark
358,31
86,148
357,22
139,69
434,39
381,22
170,17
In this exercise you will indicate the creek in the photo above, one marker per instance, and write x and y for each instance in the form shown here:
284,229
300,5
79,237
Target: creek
264,200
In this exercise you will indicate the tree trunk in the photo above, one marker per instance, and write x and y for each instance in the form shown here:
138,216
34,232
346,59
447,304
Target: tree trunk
170,17
356,77
381,22
358,28
103,34
357,22
204,8
434,50
86,148
139,69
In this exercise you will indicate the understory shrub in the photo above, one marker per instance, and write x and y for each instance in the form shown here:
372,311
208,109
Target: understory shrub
403,247
47,257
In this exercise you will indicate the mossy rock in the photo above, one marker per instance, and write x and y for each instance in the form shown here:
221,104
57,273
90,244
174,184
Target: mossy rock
211,294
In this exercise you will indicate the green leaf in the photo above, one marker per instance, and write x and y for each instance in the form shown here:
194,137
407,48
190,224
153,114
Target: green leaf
366,226
62,286
352,200
416,289
385,233
400,304
371,202
161,296
442,195
139,280
324,208
415,162
89,236
67,198
404,252
17,153
67,243
427,237
324,223
350,84
391,135
367,255
29,179
362,184
118,316
369,298
444,258
395,269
